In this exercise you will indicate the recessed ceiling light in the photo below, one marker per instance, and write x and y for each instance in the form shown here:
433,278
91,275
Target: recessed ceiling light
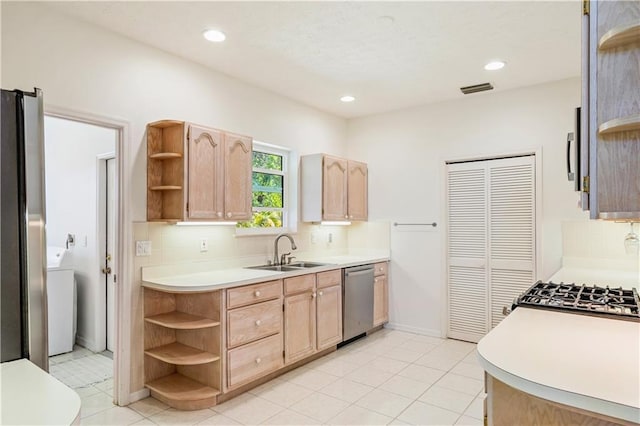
214,35
494,65
347,98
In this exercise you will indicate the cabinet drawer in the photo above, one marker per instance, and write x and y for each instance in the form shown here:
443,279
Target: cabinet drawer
329,278
381,268
299,284
254,322
247,295
254,360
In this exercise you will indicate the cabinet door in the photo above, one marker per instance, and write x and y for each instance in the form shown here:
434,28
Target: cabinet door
237,178
357,191
299,326
334,189
329,316
205,200
380,300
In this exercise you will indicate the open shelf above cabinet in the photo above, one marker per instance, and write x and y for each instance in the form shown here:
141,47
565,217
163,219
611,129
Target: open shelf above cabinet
620,36
181,321
183,393
623,124
179,354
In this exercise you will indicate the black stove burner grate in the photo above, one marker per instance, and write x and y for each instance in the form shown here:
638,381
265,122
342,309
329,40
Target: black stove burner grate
613,302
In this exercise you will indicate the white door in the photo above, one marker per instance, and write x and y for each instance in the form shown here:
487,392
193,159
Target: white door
110,251
491,241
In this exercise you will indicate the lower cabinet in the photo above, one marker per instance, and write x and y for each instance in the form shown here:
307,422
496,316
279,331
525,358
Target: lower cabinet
380,294
254,360
329,309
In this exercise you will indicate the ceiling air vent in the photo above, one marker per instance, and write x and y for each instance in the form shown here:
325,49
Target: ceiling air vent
476,88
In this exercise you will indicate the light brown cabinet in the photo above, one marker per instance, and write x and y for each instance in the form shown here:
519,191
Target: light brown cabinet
312,314
380,294
197,173
333,189
611,109
182,343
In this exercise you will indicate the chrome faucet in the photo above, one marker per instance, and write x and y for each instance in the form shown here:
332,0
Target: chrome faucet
276,260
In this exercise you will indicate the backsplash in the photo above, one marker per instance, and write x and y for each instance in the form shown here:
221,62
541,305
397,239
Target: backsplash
601,242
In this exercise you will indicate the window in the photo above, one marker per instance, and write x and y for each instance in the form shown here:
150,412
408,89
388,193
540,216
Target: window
272,191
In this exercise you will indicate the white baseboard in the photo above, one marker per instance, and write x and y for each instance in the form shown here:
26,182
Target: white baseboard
138,395
85,343
416,330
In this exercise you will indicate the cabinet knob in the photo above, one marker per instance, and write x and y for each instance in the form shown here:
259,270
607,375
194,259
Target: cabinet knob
229,214
258,322
219,214
381,269
258,360
375,281
320,293
346,216
313,295
351,217
257,293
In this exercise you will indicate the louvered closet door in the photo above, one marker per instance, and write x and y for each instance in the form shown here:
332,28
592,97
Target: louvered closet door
491,241
467,250
511,231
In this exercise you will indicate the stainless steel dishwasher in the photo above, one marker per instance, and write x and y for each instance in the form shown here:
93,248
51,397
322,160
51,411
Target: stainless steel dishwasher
357,297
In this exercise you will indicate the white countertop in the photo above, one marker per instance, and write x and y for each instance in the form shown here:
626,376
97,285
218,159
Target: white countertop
30,396
176,280
583,361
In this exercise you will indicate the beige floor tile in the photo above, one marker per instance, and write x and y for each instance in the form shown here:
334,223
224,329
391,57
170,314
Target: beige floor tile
469,370
86,391
355,415
388,365
459,345
428,339
95,403
144,422
368,376
218,420
460,383
319,406
289,417
398,422
337,367
285,393
346,390
476,409
271,383
404,386
402,355
178,417
248,409
437,361
359,358
113,416
313,379
472,358
148,406
469,421
420,413
384,402
422,374
418,346
447,398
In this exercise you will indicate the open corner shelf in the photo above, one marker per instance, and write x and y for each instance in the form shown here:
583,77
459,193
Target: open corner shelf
183,393
165,155
179,354
623,124
165,188
620,36
181,321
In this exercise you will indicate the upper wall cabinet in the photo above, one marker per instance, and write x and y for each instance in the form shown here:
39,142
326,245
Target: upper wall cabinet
197,173
333,189
611,95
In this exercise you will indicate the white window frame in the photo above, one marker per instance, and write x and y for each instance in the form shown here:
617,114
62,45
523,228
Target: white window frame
290,196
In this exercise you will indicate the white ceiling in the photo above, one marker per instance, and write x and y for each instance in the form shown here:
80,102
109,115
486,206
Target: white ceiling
315,52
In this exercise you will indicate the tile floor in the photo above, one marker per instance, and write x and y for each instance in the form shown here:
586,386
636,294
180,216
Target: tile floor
82,368
390,377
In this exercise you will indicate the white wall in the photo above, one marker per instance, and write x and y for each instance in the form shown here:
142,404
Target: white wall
71,177
406,151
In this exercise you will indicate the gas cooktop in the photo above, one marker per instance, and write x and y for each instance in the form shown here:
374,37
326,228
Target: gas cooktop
593,300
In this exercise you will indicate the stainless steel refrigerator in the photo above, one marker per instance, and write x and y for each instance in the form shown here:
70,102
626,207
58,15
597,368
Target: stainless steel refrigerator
23,263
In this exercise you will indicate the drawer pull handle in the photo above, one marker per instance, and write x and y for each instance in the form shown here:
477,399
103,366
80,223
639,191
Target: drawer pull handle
313,295
257,293
320,293
258,360
219,214
258,322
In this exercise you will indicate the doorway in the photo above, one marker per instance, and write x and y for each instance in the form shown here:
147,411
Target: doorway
80,161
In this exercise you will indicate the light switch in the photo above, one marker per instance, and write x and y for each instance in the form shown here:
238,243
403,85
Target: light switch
204,244
143,248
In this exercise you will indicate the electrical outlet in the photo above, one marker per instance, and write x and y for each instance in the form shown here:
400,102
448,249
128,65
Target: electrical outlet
330,237
143,248
204,244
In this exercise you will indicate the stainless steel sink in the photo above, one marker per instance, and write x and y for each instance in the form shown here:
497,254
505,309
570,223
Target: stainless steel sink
296,266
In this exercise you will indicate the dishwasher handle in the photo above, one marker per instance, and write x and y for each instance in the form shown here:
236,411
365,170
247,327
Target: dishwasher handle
360,272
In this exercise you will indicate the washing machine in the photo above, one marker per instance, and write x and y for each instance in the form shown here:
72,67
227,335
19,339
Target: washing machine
61,300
